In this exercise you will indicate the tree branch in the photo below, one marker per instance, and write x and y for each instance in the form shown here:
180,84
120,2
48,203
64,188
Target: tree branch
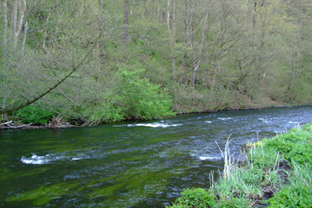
29,102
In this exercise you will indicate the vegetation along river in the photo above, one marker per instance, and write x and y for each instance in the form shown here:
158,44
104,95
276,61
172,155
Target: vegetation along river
142,164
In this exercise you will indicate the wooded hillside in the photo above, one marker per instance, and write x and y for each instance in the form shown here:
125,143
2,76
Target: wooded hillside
105,60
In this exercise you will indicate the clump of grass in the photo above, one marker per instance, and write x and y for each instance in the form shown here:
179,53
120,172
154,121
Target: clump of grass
195,197
277,173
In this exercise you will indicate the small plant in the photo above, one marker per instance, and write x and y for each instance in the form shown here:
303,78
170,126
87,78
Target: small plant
233,203
195,198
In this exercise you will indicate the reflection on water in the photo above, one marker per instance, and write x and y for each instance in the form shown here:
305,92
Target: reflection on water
144,164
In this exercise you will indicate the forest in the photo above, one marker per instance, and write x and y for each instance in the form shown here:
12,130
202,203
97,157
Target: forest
97,61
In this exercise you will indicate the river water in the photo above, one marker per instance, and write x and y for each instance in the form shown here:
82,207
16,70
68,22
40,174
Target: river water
143,164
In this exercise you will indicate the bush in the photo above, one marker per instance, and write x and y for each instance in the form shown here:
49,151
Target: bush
128,96
34,114
301,154
294,196
139,98
195,198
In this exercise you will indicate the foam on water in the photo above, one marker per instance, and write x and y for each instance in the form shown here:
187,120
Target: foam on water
39,160
211,158
46,159
208,122
154,125
224,119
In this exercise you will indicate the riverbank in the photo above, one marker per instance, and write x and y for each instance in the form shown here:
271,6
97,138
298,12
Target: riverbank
10,122
276,174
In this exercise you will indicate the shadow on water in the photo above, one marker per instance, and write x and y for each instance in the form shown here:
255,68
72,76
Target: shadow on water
143,164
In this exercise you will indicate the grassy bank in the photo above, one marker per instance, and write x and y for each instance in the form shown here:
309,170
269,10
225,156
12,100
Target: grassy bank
277,173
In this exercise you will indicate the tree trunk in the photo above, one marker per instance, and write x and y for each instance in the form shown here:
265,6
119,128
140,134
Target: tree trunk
168,14
25,36
19,8
46,30
5,18
101,30
125,26
14,23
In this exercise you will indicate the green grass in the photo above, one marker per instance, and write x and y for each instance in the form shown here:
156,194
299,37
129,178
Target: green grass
277,173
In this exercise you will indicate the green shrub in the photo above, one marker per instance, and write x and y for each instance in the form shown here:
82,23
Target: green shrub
279,145
195,198
34,114
293,196
301,154
139,98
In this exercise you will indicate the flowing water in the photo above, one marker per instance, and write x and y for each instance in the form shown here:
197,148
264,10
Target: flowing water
143,164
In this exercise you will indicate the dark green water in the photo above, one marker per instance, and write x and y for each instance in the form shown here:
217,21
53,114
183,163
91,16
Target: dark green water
128,165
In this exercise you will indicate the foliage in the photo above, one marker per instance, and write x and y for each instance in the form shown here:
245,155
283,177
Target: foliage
228,55
129,97
293,196
298,193
296,145
266,170
139,98
35,114
195,197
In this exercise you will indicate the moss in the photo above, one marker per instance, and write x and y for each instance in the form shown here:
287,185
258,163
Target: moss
44,194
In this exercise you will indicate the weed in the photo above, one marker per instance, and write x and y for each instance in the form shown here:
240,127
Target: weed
195,197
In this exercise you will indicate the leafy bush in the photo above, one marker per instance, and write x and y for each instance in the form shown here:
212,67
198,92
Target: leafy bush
279,145
293,196
139,98
301,154
128,96
195,197
34,114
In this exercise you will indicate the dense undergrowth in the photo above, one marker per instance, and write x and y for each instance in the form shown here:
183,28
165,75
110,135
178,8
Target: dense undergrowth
277,173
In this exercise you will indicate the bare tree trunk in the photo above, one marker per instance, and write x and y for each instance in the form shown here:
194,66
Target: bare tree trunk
173,38
101,30
22,9
168,14
25,36
18,24
186,38
14,23
5,18
125,25
46,30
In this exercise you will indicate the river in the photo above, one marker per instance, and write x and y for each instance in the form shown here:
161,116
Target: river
138,164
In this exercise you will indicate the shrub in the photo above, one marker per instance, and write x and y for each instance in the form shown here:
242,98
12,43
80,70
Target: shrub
301,154
293,196
195,198
139,98
34,114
